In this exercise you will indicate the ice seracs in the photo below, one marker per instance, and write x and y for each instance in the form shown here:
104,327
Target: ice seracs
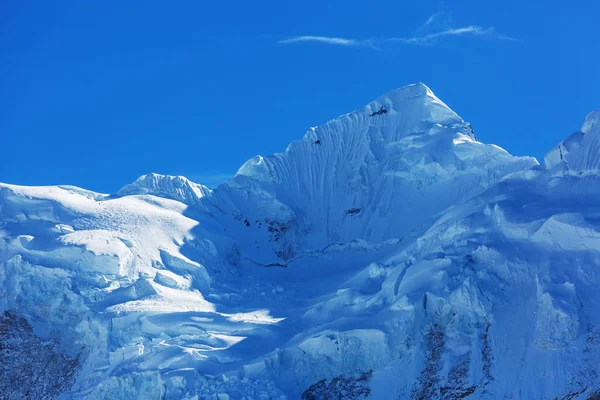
384,254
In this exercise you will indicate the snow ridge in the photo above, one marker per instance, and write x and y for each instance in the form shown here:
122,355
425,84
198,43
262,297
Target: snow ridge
580,153
386,254
171,187
373,168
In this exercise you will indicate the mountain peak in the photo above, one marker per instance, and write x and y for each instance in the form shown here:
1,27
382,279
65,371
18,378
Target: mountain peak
418,89
580,153
591,125
419,100
359,172
173,187
386,234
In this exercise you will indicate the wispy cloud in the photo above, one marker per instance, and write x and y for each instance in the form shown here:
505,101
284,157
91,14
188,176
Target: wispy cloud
439,25
438,21
322,39
338,41
472,30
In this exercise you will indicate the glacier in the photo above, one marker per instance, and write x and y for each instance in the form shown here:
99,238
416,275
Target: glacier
391,256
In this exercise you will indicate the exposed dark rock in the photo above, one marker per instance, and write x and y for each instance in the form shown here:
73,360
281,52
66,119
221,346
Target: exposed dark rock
31,367
470,128
592,341
343,387
594,395
487,358
382,110
267,265
428,383
276,228
285,253
573,394
457,386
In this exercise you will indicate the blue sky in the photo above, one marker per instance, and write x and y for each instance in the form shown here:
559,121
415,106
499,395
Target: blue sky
95,94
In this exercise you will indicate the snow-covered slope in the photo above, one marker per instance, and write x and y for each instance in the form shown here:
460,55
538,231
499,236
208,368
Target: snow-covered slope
580,153
384,255
172,187
366,177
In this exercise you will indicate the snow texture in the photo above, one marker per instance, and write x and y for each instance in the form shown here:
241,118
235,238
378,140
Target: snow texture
382,256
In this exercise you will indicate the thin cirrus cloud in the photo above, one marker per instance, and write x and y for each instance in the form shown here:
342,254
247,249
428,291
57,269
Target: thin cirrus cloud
332,40
436,27
472,30
321,39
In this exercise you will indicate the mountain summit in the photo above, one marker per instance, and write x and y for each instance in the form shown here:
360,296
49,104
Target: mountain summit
386,254
356,176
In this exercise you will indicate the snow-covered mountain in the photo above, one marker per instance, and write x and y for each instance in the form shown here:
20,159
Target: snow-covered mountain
387,254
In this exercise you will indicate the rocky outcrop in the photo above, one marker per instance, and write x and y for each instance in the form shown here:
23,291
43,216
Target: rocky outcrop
31,367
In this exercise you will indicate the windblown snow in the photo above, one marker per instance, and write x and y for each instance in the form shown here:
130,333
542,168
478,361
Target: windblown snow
384,256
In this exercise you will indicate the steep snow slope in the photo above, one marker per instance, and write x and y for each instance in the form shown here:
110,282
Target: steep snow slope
388,256
579,154
366,177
